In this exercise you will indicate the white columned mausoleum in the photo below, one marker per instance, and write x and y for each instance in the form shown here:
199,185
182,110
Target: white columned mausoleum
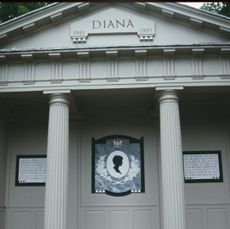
115,115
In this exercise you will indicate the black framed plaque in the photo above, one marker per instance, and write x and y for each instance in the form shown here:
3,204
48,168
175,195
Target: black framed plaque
202,166
30,170
117,165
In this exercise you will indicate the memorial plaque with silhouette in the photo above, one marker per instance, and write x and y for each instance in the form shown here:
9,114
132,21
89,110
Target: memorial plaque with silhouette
117,165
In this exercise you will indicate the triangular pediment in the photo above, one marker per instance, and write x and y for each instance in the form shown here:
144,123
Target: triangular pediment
86,25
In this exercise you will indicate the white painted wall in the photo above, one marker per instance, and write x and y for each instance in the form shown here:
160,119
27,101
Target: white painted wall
205,127
208,205
132,211
3,144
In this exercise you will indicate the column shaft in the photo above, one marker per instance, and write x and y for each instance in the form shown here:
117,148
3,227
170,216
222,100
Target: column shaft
57,163
171,162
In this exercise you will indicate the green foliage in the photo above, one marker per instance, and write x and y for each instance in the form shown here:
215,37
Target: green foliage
9,10
222,8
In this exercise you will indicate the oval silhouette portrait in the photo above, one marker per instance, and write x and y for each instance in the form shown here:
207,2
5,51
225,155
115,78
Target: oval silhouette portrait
117,164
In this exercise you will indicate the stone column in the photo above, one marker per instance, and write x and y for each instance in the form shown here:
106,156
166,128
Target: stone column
171,162
57,163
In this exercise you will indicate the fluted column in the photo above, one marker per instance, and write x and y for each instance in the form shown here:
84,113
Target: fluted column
57,163
171,162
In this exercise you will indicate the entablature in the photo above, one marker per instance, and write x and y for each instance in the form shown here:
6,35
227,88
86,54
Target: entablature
36,70
94,53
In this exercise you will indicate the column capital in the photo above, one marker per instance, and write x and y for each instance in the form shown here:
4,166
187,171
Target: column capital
59,98
167,95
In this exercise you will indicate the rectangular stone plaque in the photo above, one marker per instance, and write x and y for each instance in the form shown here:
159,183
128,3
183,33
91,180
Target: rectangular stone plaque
202,166
30,170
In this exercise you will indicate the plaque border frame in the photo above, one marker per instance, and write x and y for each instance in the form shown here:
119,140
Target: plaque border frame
218,152
132,140
18,157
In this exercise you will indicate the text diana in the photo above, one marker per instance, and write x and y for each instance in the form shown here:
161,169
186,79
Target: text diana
112,24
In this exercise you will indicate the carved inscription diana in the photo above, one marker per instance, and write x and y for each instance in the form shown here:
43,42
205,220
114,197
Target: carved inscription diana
80,30
112,24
